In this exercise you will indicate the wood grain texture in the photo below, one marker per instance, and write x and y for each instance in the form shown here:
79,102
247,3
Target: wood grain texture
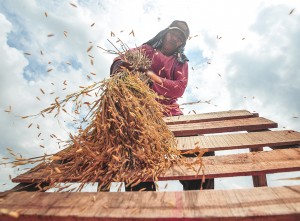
246,124
240,140
255,163
213,116
260,180
263,203
212,143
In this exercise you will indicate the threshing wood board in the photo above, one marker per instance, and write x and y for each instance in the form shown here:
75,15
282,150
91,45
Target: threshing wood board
246,124
239,140
213,116
246,164
262,203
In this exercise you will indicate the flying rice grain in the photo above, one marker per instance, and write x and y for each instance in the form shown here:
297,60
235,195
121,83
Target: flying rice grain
89,48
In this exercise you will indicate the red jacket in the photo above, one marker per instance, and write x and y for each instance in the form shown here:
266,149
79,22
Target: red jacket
173,74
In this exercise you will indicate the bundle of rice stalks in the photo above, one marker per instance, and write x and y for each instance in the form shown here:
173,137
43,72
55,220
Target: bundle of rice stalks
126,138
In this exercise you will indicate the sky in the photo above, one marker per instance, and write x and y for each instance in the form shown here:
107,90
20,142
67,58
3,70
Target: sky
242,55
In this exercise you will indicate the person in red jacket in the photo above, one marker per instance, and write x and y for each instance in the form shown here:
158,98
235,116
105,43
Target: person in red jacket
169,68
169,74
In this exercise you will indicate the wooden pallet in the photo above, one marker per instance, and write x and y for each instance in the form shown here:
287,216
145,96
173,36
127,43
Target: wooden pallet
211,131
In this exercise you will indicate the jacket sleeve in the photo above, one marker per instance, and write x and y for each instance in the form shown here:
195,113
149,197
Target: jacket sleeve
118,61
115,66
174,88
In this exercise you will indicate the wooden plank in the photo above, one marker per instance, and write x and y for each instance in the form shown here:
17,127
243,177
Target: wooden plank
260,180
213,116
34,175
246,124
286,146
30,187
246,164
240,140
264,203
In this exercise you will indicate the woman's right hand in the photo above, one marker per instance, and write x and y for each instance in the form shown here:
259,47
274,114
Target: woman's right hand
126,65
118,65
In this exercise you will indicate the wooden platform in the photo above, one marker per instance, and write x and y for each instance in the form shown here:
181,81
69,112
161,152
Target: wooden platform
263,203
227,130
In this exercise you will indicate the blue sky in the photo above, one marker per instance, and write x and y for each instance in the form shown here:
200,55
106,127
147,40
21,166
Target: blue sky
243,55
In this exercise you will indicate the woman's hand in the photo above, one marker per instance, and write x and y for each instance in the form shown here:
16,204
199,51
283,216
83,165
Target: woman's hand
154,77
126,65
118,65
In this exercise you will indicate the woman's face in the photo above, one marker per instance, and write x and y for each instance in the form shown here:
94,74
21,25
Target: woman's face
172,40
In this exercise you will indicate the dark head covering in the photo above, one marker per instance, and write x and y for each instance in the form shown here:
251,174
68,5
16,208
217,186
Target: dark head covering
157,41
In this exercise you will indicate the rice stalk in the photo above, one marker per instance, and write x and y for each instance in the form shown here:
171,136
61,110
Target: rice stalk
125,138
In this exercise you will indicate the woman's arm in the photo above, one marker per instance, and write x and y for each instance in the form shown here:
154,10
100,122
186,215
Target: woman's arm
154,77
171,88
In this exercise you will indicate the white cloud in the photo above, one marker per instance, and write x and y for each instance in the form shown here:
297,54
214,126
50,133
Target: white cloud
267,71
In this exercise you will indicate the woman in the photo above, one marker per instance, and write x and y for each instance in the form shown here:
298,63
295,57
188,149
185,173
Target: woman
169,73
169,68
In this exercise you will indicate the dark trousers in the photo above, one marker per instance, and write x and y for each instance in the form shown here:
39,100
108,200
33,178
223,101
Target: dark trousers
196,184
